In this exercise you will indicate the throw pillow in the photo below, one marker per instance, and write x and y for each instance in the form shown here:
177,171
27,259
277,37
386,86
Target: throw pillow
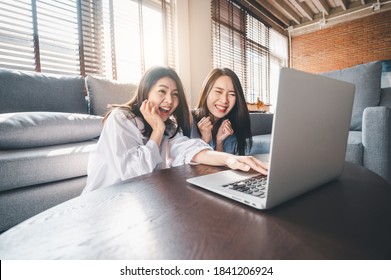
103,92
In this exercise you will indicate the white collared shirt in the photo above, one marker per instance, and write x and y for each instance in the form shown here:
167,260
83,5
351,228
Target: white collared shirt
123,152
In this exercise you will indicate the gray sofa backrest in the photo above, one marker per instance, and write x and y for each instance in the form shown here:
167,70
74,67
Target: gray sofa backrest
385,97
22,91
367,78
261,123
103,92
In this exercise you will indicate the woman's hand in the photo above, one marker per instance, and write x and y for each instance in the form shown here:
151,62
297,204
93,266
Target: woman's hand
205,126
245,163
224,131
152,116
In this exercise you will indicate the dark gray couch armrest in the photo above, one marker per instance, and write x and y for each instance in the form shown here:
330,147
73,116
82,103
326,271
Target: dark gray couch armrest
376,139
261,123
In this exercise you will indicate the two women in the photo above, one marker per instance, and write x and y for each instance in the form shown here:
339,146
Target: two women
151,132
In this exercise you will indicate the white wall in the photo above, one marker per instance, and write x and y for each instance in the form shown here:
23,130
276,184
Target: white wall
194,45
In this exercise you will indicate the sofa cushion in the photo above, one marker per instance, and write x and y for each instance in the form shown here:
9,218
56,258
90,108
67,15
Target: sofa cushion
261,144
367,78
23,203
22,91
32,166
103,92
355,148
38,129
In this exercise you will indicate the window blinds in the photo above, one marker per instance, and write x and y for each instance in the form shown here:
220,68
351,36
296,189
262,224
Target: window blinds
92,39
16,35
117,39
58,41
241,42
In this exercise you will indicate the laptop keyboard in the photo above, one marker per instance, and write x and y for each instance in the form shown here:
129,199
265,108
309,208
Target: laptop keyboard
255,186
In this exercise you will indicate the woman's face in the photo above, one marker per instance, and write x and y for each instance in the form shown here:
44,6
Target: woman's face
164,96
221,98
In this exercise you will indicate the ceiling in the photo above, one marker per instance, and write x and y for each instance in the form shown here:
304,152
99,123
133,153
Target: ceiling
304,16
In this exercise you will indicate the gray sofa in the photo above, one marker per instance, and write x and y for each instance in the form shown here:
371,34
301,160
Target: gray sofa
48,126
369,142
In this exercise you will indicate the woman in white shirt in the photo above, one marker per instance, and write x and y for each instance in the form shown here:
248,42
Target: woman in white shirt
151,132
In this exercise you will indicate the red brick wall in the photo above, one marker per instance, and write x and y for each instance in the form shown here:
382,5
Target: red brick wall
344,45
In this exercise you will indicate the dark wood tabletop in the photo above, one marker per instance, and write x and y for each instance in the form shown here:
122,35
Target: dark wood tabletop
161,216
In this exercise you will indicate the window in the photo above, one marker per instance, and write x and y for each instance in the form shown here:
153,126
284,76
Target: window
247,46
143,36
117,39
278,59
16,35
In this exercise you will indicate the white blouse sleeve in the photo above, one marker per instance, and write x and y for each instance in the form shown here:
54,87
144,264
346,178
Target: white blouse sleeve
183,149
122,147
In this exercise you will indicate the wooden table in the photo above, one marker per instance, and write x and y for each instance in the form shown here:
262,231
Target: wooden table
160,216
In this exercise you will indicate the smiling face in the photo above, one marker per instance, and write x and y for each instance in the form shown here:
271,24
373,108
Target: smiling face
164,96
221,98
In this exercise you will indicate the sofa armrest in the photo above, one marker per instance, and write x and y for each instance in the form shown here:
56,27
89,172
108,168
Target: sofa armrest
261,123
376,139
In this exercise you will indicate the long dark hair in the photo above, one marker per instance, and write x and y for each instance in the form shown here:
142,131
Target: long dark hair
180,119
238,116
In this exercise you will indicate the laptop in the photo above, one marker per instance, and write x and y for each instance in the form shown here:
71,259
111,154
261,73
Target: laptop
308,144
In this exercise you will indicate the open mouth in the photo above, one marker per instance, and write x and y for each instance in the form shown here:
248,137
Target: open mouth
221,108
164,111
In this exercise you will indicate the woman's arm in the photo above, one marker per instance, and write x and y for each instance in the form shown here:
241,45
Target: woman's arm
205,126
244,163
224,131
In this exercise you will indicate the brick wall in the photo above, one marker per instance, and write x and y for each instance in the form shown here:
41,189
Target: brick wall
344,45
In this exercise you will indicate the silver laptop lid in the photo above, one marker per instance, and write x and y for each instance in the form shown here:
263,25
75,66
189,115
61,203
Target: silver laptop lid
310,132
